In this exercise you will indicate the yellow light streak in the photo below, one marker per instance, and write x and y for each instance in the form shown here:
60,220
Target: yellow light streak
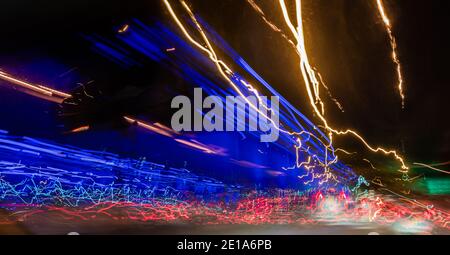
377,181
344,151
393,43
370,163
432,168
312,84
291,43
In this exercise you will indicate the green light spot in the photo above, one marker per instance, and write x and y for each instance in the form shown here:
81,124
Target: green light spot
434,186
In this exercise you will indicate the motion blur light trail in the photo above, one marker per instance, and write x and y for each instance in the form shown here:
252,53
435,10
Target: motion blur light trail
40,179
258,209
228,74
325,162
393,42
325,159
38,173
278,30
38,90
312,82
153,128
153,42
165,131
432,168
72,184
59,97
47,179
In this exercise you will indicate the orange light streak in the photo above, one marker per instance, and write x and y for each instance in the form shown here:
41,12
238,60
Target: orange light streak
38,90
80,129
148,126
124,28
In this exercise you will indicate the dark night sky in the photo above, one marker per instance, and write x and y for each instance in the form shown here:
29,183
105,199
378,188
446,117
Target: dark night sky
346,42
